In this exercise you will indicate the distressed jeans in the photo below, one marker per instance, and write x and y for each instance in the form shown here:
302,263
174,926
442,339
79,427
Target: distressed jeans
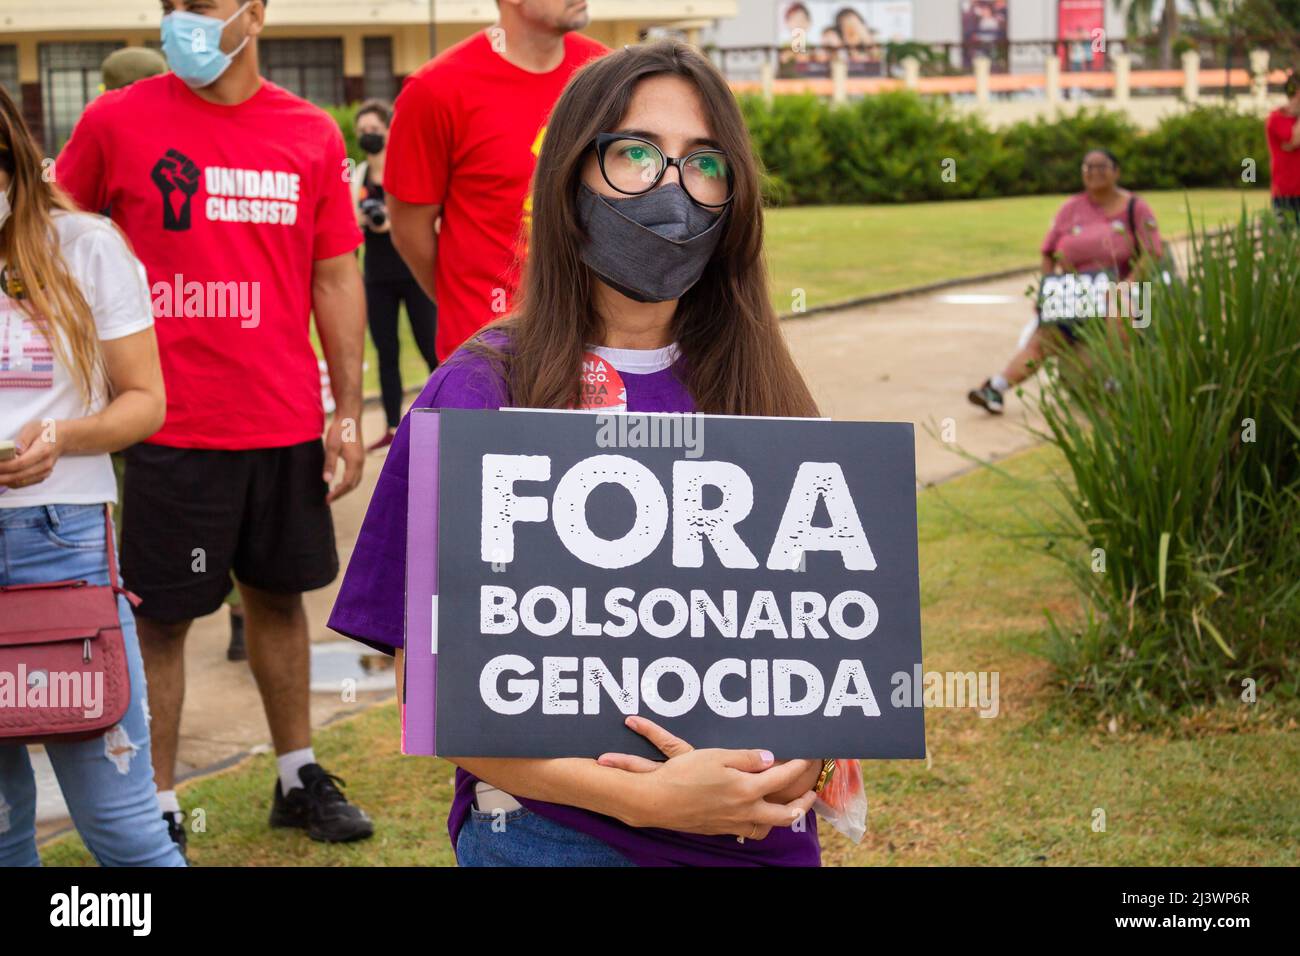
107,781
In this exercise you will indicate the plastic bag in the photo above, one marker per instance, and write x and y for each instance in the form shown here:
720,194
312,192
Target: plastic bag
843,801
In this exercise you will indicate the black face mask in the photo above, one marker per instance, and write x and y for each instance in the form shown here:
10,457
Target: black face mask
652,247
371,143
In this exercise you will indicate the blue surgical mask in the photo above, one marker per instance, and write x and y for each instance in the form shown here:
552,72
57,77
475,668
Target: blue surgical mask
192,44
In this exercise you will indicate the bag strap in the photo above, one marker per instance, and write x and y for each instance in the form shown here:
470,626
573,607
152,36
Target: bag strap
1132,225
108,545
113,580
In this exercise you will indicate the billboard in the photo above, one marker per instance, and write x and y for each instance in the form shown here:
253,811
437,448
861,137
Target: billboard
1080,25
812,33
984,32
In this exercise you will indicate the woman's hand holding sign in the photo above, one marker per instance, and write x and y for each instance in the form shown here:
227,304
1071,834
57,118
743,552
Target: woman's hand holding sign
713,791
710,791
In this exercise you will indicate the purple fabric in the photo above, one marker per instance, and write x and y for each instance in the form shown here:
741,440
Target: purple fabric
371,602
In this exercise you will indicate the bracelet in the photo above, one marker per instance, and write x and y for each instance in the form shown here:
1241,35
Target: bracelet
823,778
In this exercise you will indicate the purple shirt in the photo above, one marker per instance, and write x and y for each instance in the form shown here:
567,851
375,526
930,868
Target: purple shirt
371,603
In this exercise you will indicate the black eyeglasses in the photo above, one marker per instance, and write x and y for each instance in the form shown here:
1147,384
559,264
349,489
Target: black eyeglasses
633,166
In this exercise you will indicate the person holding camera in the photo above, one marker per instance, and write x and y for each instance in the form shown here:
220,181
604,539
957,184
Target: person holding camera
389,282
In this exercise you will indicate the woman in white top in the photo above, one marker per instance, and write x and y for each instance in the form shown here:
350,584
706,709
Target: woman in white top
79,379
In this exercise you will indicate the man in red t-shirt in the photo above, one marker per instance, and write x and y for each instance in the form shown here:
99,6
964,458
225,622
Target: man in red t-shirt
1283,132
234,193
467,129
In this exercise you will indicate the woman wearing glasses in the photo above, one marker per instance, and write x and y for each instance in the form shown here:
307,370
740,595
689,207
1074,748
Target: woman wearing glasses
647,250
1103,229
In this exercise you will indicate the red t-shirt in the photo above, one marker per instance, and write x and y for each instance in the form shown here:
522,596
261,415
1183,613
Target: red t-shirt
1085,239
1285,165
228,207
467,129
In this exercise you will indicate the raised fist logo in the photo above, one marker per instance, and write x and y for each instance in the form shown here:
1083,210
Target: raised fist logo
177,178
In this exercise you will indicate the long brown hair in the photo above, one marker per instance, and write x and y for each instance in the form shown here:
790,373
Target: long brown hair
29,246
736,359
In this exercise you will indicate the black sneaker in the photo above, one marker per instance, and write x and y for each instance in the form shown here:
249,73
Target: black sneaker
238,650
320,808
986,397
176,830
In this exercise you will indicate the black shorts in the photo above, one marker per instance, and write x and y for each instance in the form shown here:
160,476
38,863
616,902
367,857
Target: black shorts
192,516
1067,331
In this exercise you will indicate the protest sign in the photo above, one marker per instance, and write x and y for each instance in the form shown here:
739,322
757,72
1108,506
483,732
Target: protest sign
746,582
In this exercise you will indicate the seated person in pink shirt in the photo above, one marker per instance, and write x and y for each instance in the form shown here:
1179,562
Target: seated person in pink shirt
1102,229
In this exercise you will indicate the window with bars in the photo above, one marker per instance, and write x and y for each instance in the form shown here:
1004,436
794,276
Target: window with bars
70,79
380,83
9,73
313,69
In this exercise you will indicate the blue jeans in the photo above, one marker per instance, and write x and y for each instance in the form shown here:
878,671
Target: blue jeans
523,838
107,781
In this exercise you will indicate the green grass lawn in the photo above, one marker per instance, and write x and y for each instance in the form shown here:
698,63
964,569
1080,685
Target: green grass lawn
837,253
1020,788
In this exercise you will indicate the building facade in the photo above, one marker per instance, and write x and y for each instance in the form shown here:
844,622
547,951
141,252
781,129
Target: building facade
329,51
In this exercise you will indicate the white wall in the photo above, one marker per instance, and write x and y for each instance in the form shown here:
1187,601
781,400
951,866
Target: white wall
754,25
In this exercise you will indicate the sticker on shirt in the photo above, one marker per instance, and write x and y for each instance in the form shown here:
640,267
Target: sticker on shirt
258,196
602,386
26,359
1117,225
1076,229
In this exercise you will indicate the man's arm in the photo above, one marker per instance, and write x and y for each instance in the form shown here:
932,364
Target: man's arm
415,238
339,302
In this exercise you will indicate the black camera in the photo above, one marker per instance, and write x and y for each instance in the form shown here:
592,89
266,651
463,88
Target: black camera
374,211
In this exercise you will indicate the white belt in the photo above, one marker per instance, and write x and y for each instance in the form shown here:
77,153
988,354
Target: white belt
489,799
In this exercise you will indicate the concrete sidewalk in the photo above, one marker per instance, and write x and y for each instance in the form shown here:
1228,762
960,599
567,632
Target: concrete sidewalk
914,360
910,360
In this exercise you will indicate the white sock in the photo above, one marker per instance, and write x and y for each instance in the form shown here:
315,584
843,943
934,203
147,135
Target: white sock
167,801
1000,383
290,764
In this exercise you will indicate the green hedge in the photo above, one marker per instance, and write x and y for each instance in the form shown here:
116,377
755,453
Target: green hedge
893,147
346,116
